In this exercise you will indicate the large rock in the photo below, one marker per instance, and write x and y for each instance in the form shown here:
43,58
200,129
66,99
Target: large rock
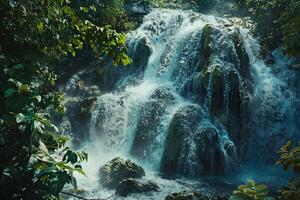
194,146
149,123
209,152
183,122
190,195
130,186
205,46
217,103
117,170
242,55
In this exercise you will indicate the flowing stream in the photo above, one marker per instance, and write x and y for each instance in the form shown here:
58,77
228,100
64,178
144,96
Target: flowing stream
201,79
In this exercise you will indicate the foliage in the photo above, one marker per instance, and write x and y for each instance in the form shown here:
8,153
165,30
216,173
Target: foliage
34,36
290,157
291,191
278,22
251,191
199,5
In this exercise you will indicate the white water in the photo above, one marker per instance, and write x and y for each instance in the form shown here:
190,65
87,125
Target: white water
173,37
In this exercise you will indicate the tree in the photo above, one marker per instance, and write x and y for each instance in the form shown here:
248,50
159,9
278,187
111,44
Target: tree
278,23
35,36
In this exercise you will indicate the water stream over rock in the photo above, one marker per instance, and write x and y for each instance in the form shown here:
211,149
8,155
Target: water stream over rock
196,99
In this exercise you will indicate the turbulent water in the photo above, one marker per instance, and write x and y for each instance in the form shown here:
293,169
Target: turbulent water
198,78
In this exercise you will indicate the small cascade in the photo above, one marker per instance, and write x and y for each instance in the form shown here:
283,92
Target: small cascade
275,101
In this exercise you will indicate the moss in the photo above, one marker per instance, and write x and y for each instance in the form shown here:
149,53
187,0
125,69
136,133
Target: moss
173,146
206,39
217,98
240,51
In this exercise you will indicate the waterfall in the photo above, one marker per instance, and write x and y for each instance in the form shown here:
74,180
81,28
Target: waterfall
198,99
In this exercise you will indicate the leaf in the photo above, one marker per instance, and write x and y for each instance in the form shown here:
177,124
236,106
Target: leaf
40,26
20,118
38,98
84,9
242,187
251,183
10,92
261,188
18,66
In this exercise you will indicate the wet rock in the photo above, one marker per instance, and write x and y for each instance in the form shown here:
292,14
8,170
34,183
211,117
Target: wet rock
130,186
181,126
241,54
205,46
136,11
149,122
140,56
185,195
191,195
209,152
235,104
92,91
117,170
193,146
217,93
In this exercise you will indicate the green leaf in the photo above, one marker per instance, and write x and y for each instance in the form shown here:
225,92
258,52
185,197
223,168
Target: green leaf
84,9
10,92
38,98
261,188
20,118
40,26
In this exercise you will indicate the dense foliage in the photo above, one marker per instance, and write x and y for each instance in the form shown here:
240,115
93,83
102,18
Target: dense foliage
251,191
34,36
278,23
199,5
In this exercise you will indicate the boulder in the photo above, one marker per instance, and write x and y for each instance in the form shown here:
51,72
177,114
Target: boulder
117,170
130,186
193,146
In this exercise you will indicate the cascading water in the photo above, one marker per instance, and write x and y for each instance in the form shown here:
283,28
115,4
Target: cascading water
186,103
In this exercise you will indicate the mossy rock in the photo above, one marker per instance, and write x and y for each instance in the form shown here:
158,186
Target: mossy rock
149,122
241,53
205,46
174,143
234,101
87,106
206,40
118,170
130,186
217,95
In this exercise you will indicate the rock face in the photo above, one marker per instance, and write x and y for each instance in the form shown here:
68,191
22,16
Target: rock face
117,170
149,122
181,125
130,186
193,145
